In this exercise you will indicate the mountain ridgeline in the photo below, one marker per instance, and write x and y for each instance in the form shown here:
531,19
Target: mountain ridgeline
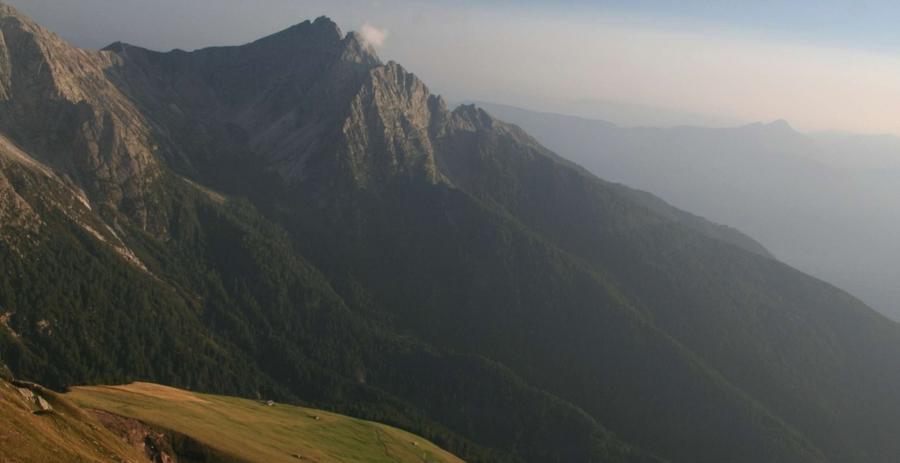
825,203
295,219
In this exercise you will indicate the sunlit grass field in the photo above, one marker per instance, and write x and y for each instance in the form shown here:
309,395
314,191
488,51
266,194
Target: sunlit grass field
65,435
256,432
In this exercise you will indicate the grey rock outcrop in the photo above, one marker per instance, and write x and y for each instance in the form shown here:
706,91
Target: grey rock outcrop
31,393
5,373
58,104
156,445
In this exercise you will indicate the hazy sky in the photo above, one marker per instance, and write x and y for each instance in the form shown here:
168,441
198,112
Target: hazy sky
819,64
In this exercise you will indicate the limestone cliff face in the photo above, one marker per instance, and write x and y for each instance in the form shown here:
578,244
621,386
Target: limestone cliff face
5,65
395,128
102,128
29,191
16,215
277,100
389,129
308,103
58,104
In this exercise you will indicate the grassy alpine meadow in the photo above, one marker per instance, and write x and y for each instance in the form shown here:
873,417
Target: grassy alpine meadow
66,434
254,431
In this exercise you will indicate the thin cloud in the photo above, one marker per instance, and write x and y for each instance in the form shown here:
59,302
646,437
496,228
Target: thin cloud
374,36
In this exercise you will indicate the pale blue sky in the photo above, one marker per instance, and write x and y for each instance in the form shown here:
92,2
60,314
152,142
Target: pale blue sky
861,23
820,64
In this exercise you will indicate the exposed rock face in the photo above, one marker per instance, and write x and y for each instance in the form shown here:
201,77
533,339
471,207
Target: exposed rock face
307,103
5,374
26,393
156,445
316,108
15,212
31,393
389,128
29,189
58,104
43,405
278,99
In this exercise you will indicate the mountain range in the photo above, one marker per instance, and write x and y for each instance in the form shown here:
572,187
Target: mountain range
295,219
825,203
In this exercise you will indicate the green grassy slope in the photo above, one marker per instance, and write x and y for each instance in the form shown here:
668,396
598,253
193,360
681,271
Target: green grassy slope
252,431
66,434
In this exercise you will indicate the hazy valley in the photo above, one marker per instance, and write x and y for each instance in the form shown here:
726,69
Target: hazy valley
826,203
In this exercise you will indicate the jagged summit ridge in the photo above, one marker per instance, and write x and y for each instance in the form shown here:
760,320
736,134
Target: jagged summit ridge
324,34
389,129
471,117
302,40
99,139
8,10
302,93
323,26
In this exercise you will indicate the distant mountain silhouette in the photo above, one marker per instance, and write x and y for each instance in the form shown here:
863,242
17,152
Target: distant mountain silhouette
826,203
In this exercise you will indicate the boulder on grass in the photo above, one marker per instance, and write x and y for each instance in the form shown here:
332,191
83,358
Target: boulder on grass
42,404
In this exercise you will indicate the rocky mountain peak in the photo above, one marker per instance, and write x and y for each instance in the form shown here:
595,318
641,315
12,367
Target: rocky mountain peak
321,32
472,118
357,50
8,11
388,131
325,23
777,126
99,139
780,124
322,35
37,59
